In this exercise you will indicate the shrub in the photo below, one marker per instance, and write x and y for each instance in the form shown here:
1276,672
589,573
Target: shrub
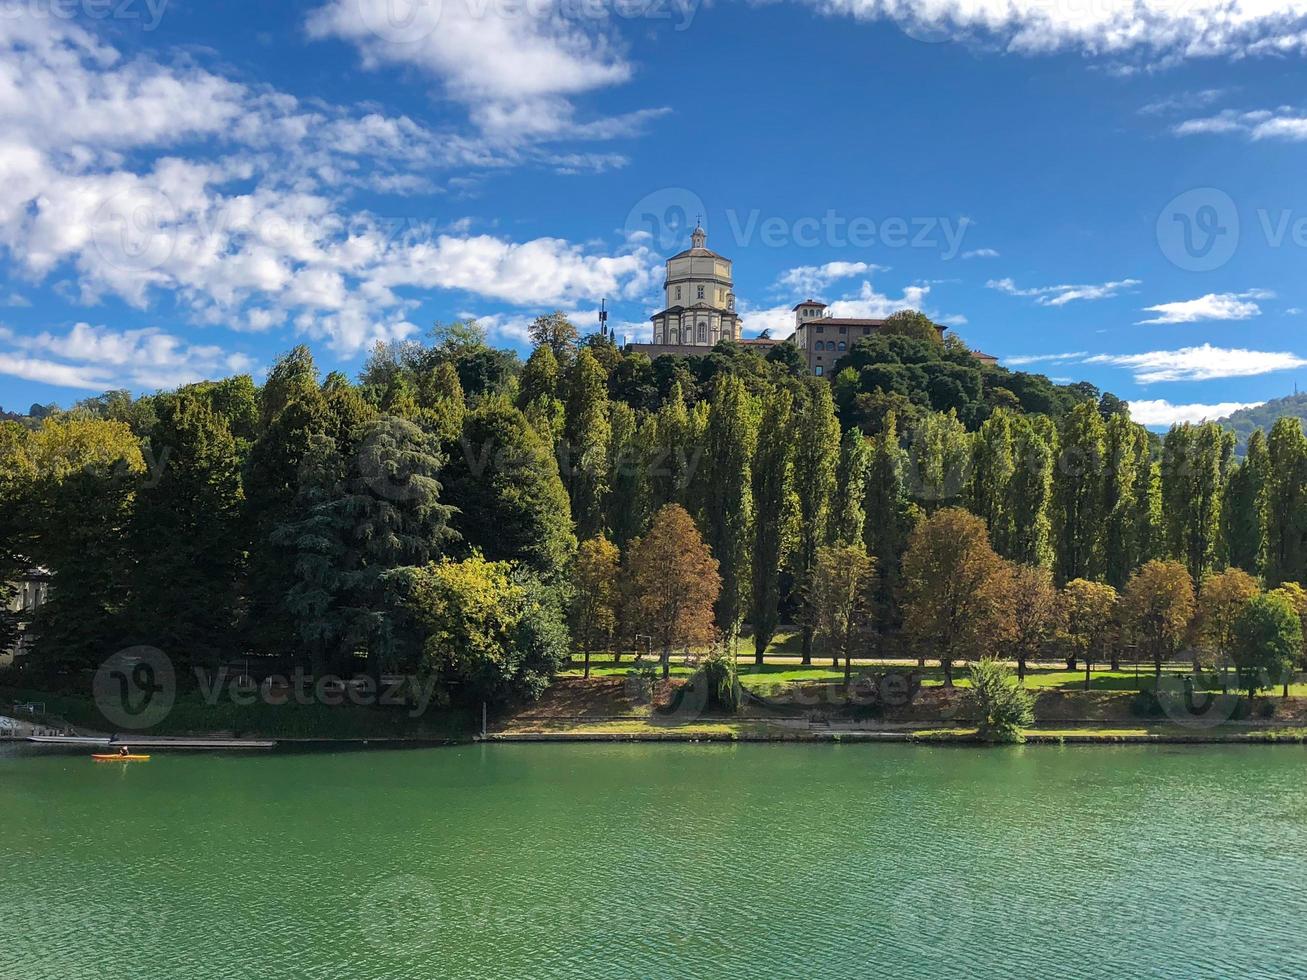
1002,708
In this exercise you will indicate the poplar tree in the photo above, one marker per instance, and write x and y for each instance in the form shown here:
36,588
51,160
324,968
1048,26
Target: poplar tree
847,514
1284,503
670,451
1078,494
626,505
939,460
1119,507
989,490
586,435
891,516
1145,525
729,442
1030,492
1194,459
816,456
1241,517
773,481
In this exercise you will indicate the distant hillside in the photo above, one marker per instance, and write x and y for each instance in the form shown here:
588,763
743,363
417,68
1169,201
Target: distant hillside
1243,422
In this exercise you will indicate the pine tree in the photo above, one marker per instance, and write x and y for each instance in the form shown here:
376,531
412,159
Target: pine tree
816,455
773,480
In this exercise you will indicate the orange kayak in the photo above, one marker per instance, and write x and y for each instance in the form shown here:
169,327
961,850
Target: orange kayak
115,757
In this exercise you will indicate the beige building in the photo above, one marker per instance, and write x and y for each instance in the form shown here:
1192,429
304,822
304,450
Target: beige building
699,311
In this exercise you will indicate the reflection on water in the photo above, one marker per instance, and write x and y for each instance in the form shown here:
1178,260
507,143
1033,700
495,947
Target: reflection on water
655,861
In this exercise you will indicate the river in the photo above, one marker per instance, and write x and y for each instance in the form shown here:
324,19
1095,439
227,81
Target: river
649,861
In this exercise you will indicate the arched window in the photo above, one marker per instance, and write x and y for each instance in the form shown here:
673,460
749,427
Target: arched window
703,331
821,345
843,345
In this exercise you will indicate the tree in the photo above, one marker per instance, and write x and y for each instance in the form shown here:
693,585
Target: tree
1088,619
1267,639
842,600
511,502
1003,708
847,515
890,518
185,535
1147,497
1120,508
487,631
729,443
1220,601
556,332
1036,613
1296,596
586,435
673,583
993,466
1030,491
1194,463
939,460
626,506
1078,495
816,455
957,590
1284,503
772,474
1241,515
594,589
1157,608
914,324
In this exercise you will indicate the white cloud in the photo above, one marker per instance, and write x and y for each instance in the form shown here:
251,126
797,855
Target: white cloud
1213,306
864,303
1281,123
1024,359
258,231
514,65
1142,28
981,253
1061,295
814,278
1162,413
1202,363
97,358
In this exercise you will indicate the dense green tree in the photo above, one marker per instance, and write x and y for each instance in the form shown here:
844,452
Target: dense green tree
1120,508
185,535
1284,503
1266,641
1003,708
1241,513
556,332
510,499
816,455
1194,462
1030,492
914,324
989,490
729,443
773,481
626,505
848,517
1078,496
671,452
939,461
890,517
586,436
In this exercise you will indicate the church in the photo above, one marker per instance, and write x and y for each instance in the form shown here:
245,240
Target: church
699,311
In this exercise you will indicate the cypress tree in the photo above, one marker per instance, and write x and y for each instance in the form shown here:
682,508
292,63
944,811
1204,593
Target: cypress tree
847,514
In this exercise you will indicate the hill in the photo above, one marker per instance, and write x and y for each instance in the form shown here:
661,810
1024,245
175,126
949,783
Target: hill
1243,422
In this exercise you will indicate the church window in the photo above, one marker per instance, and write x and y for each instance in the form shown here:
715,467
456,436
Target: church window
701,292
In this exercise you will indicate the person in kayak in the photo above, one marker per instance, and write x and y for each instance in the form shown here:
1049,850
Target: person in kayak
125,750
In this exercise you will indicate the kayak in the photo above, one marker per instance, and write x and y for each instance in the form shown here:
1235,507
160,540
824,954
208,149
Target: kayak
115,757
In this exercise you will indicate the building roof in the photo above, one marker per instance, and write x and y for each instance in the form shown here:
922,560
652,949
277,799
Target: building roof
697,253
844,322
810,302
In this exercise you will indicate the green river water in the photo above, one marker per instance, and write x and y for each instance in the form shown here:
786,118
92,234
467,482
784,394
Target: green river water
647,861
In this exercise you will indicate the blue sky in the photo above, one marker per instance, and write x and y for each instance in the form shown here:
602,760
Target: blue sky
1101,191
